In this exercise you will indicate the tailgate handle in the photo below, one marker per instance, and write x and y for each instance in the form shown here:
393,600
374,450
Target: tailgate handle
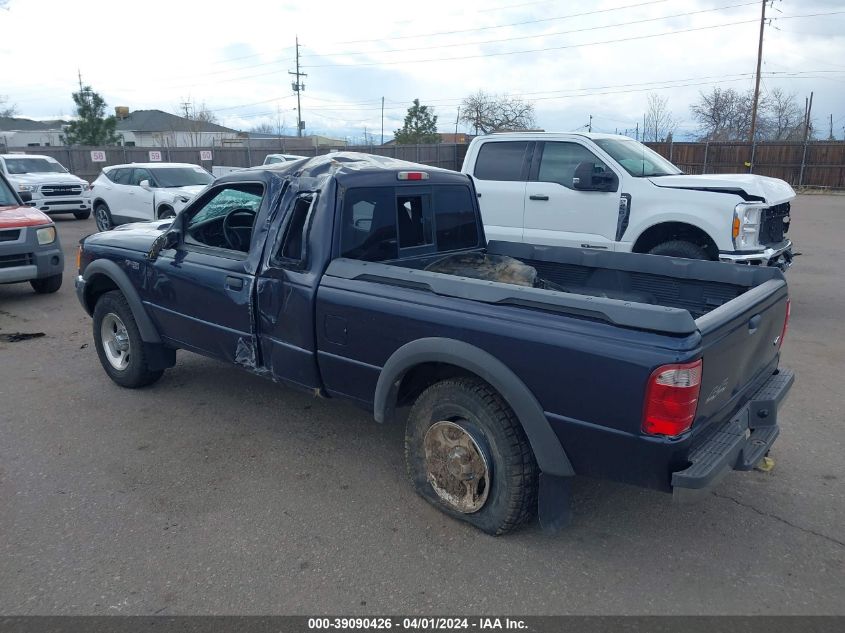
754,323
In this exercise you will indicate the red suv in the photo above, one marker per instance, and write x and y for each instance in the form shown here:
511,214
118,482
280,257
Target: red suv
29,243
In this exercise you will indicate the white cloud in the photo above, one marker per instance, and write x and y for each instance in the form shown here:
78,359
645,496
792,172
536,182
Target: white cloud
161,52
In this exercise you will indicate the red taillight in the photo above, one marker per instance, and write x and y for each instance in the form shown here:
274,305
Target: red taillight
671,399
412,175
785,322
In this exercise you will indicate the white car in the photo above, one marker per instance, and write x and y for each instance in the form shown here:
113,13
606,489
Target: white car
141,192
273,159
610,192
50,187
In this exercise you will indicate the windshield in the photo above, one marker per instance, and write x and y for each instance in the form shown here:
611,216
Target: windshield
7,198
181,176
33,166
636,158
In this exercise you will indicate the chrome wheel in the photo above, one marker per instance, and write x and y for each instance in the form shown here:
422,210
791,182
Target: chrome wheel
115,340
102,218
456,467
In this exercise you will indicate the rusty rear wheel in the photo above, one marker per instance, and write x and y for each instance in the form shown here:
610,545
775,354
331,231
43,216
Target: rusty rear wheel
467,454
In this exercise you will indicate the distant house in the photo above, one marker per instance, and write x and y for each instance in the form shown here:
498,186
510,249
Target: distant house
17,132
156,128
143,128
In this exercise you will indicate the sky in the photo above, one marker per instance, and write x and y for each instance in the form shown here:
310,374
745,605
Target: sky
571,59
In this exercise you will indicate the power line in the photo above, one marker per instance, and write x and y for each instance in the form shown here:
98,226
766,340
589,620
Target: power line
531,37
533,50
501,26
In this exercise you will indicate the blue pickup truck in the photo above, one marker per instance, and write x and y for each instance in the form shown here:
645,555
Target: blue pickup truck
512,366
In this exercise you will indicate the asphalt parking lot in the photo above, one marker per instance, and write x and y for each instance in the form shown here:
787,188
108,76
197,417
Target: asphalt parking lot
216,491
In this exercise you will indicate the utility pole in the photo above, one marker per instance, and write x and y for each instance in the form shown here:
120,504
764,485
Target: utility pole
298,86
186,105
757,80
79,74
830,136
807,118
382,120
590,124
637,129
458,118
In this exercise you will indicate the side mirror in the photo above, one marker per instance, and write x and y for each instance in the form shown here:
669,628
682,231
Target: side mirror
168,239
145,184
586,178
26,196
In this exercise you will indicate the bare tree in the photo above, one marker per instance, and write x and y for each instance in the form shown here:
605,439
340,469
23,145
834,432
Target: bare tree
6,108
784,120
724,114
659,123
199,117
265,128
497,113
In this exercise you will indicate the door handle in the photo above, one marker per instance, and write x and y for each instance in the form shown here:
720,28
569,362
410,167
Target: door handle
537,197
234,283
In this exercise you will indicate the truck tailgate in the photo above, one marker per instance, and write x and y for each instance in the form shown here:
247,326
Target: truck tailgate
741,343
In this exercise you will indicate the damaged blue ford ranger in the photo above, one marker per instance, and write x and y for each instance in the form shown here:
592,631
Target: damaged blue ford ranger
513,367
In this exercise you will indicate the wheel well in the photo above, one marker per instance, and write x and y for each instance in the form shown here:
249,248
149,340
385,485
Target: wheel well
99,201
163,207
421,377
666,231
95,287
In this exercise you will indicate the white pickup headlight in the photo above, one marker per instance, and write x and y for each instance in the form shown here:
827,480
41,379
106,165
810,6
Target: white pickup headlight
746,225
31,188
46,235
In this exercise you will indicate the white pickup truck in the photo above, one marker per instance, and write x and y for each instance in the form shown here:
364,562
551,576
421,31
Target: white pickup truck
610,192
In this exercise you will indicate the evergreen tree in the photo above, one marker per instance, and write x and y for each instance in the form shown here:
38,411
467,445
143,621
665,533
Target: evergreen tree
91,127
420,126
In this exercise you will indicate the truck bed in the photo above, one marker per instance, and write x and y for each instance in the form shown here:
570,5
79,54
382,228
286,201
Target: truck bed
668,295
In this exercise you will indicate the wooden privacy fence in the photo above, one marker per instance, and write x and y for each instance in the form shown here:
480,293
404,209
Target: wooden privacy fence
80,160
814,164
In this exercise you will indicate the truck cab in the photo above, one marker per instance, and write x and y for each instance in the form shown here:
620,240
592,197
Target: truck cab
610,192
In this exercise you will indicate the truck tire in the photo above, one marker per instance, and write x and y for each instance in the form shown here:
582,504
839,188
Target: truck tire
102,216
679,248
47,285
82,215
467,454
119,345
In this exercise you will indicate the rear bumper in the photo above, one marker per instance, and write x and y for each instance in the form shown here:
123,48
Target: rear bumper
739,444
779,255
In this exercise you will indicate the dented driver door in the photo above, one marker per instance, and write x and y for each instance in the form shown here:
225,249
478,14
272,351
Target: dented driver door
200,293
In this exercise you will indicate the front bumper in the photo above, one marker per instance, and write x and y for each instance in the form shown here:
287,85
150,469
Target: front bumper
779,255
23,259
74,204
739,444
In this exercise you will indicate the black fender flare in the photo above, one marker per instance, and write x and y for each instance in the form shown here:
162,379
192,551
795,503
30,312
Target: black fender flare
106,267
548,451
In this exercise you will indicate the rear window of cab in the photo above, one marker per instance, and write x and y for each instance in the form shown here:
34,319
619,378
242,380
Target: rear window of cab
384,223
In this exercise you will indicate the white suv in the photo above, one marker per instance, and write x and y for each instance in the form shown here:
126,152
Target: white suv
142,192
46,184
609,192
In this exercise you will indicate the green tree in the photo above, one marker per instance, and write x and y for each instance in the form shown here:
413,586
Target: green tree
420,126
91,127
